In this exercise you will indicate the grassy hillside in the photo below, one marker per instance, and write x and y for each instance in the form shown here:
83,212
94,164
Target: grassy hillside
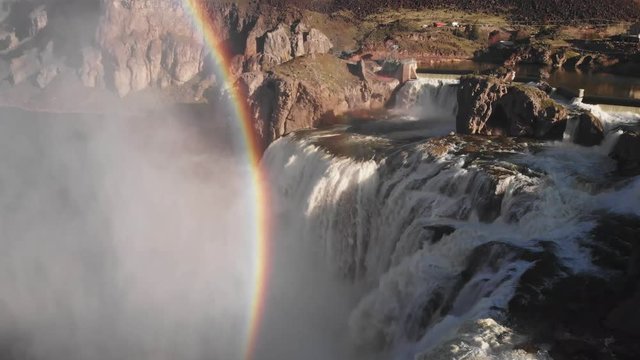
521,10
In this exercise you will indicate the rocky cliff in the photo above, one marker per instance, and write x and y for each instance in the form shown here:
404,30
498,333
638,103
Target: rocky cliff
308,91
155,43
491,106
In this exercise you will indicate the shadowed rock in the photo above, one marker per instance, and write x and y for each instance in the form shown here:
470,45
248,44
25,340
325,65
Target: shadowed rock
490,106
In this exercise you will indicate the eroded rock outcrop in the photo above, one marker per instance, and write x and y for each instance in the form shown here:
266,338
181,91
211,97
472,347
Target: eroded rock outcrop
302,93
145,43
589,129
490,106
627,152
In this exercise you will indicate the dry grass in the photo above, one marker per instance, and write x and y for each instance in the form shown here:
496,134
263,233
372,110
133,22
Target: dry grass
319,71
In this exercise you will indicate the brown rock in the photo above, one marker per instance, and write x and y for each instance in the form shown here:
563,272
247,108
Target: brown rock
302,92
277,46
249,82
146,45
589,130
476,96
627,153
489,106
317,43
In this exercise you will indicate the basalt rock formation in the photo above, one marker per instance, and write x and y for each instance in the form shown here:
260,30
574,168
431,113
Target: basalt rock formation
627,152
307,91
490,106
145,44
589,129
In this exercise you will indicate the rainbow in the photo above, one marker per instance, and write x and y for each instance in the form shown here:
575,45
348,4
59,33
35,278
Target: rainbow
221,58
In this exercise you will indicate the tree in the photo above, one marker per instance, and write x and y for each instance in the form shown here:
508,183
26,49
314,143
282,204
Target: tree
474,33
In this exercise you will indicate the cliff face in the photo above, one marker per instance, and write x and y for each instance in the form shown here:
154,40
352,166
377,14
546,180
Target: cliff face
491,106
308,91
147,44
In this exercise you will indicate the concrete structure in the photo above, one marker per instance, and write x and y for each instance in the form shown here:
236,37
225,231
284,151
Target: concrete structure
605,103
408,70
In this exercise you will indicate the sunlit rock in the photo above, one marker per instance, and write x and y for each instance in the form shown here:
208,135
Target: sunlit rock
489,106
317,43
277,46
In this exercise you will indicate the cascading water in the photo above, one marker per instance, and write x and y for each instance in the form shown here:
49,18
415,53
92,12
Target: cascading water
442,236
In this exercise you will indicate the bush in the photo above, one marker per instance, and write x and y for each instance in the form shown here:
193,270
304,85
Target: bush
474,33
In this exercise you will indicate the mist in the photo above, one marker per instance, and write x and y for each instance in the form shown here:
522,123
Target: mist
122,239
128,236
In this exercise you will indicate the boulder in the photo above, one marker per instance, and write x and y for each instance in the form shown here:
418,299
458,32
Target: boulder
277,46
529,54
627,153
317,43
476,96
589,129
491,106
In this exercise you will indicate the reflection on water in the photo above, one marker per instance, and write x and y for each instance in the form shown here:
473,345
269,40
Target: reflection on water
595,84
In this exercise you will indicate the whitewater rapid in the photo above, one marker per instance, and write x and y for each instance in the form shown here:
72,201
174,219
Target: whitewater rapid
436,235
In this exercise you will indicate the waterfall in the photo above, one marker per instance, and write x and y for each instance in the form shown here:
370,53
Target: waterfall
430,98
439,233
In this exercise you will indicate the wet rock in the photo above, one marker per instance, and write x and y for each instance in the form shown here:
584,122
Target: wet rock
589,130
439,231
627,153
477,95
490,106
585,315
